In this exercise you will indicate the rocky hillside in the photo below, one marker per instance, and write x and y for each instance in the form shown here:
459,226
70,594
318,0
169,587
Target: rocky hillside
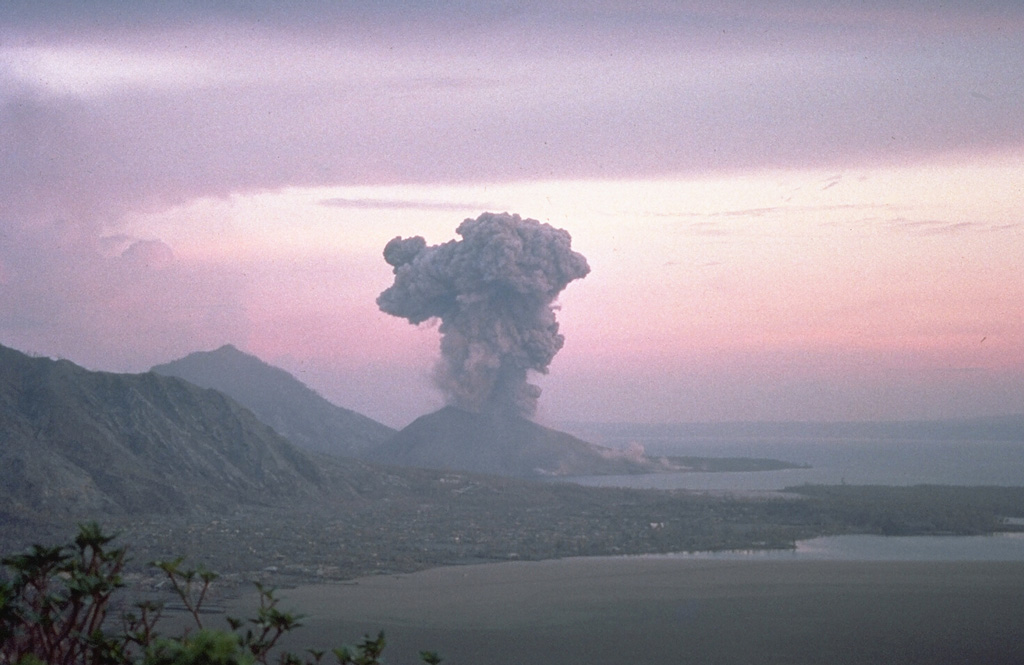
76,442
453,438
281,401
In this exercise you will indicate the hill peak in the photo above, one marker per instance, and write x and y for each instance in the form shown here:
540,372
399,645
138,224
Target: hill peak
502,444
280,400
228,353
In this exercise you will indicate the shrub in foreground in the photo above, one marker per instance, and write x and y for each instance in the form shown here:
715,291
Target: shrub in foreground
55,610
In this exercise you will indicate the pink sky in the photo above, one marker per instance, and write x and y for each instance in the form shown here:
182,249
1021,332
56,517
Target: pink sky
790,213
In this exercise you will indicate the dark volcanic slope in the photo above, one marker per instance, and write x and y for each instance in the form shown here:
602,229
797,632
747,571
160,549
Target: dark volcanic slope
75,442
281,401
453,438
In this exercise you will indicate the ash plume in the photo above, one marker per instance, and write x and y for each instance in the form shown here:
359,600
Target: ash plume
493,291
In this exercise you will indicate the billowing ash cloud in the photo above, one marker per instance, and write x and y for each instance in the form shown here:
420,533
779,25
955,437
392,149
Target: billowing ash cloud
493,292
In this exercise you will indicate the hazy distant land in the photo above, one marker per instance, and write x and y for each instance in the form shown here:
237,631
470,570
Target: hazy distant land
183,470
449,438
177,469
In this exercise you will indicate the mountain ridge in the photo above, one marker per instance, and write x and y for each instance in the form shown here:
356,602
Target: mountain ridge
86,442
281,401
449,439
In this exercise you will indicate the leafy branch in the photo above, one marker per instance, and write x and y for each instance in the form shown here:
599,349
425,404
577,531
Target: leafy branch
55,601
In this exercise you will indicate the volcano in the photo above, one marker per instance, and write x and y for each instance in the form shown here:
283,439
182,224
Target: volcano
500,444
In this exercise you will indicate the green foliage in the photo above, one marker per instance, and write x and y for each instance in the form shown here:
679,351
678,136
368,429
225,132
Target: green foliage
206,647
54,601
54,610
